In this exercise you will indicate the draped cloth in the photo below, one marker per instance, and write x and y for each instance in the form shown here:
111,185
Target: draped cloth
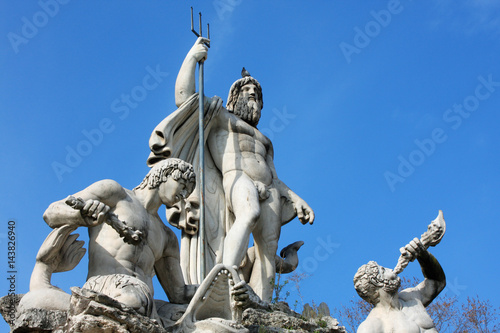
177,136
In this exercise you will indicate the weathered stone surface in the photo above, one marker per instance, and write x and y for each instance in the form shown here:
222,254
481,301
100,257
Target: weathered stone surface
278,321
32,320
8,306
40,320
91,312
317,311
323,310
283,307
308,312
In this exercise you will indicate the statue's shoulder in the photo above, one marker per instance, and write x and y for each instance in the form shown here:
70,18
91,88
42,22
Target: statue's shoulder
216,104
409,294
372,324
216,109
108,188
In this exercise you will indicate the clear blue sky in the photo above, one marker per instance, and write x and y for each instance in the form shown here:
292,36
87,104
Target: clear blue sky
381,113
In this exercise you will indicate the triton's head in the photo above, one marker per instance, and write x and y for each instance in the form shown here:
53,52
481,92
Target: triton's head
371,278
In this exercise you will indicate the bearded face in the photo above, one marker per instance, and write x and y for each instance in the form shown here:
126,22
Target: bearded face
391,282
247,106
392,286
248,110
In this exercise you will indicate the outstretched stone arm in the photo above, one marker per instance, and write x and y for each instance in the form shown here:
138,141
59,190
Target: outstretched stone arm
185,85
302,209
59,252
435,279
99,198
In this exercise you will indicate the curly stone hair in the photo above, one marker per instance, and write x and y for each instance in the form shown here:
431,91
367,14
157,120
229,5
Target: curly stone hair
367,283
170,167
235,91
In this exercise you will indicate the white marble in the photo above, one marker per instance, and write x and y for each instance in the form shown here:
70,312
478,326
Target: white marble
244,194
403,311
120,269
59,252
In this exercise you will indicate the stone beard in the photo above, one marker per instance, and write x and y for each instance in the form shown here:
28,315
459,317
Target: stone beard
248,110
392,286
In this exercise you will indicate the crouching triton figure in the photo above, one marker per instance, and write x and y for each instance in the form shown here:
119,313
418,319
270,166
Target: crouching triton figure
402,312
124,269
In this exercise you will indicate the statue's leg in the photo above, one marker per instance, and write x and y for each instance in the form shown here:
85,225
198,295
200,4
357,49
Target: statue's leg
243,200
266,235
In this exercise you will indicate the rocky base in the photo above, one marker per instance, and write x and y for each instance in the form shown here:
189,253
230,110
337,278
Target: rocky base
90,313
282,319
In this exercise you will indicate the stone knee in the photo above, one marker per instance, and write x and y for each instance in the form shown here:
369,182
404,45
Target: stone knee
126,289
134,298
248,219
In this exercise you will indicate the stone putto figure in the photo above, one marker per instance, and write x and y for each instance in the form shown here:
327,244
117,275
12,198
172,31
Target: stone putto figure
243,193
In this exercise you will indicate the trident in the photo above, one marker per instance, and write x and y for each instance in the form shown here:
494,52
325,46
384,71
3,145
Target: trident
201,130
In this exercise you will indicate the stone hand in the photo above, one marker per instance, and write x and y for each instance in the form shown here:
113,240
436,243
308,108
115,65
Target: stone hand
199,50
412,250
61,251
245,297
94,212
304,212
240,293
432,237
71,254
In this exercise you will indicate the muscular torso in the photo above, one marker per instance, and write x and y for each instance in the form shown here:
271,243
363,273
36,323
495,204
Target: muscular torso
415,312
109,254
412,318
238,146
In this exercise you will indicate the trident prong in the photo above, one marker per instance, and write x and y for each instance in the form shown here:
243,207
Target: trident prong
201,143
200,34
